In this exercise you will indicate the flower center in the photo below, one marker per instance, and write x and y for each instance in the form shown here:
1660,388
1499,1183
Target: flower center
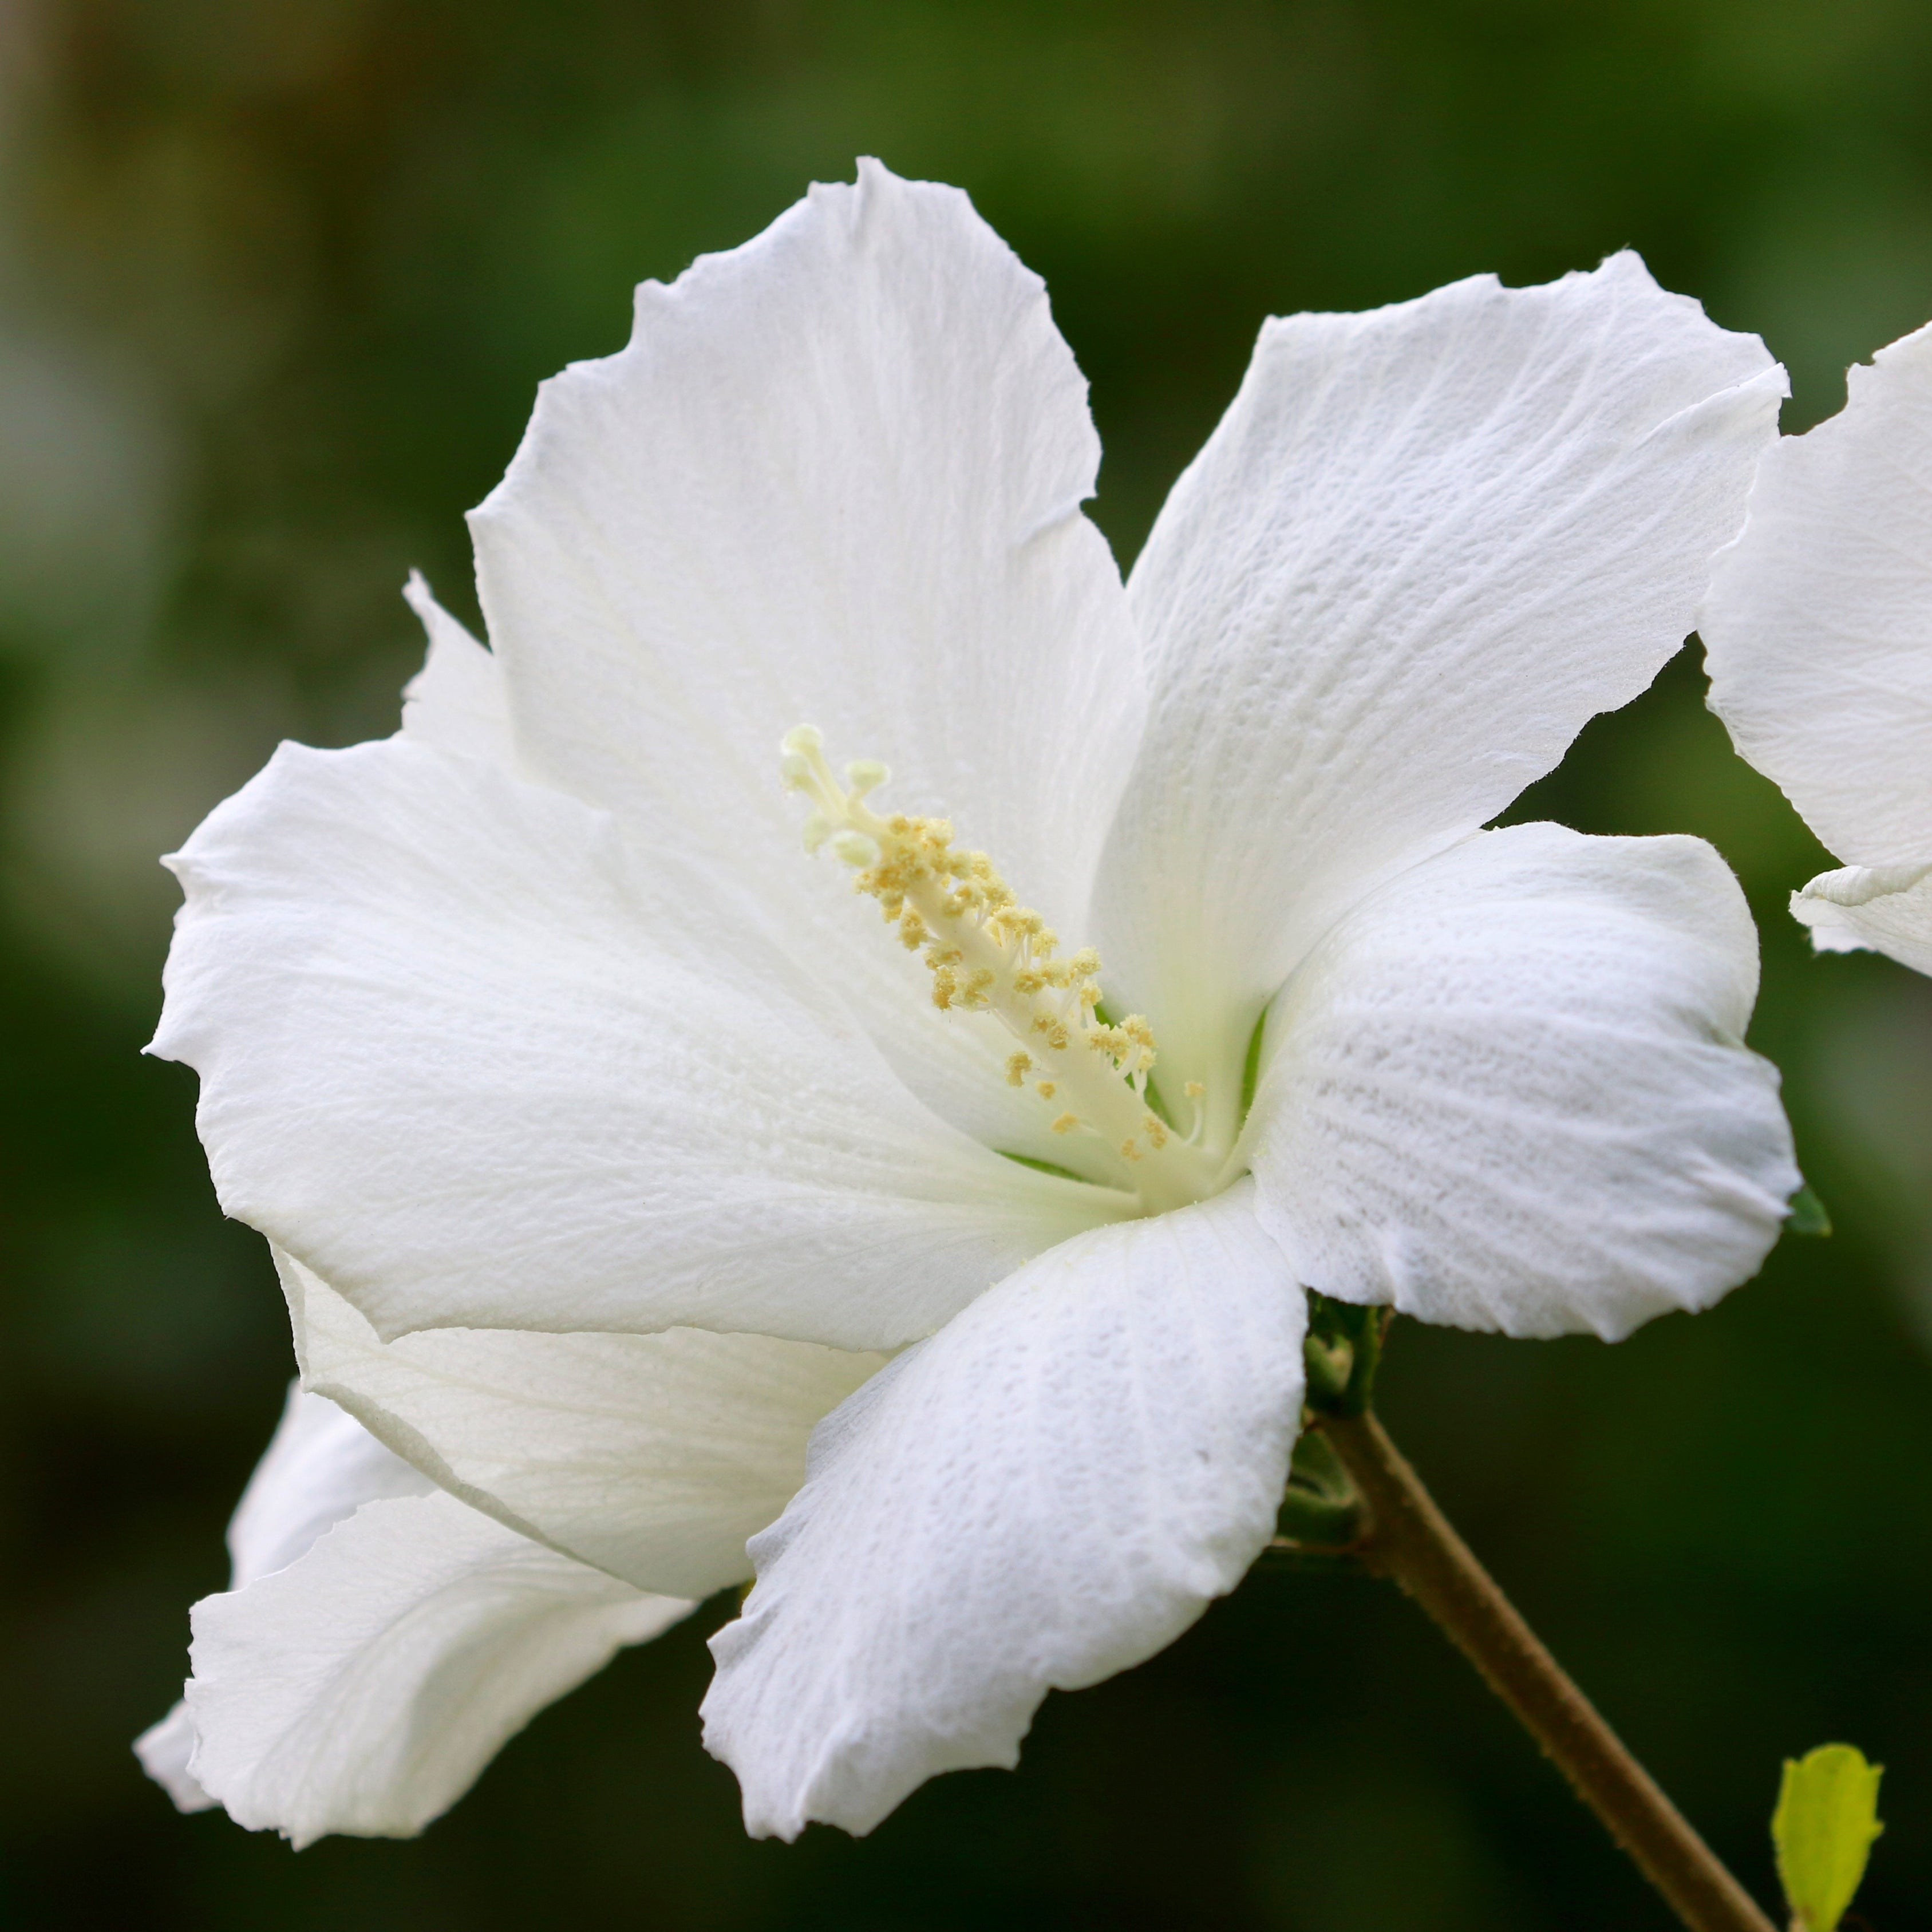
989,954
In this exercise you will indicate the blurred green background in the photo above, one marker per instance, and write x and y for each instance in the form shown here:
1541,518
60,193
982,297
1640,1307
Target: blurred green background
277,278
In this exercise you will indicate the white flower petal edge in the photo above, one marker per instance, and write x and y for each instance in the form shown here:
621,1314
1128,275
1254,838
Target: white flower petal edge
1509,1090
1048,1491
456,702
835,475
653,1456
547,1081
377,1645
1817,629
363,1689
1883,909
834,478
319,1467
1426,544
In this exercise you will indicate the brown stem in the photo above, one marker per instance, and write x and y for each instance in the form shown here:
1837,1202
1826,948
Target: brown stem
1410,1540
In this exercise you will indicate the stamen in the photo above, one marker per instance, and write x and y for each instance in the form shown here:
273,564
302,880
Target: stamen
987,953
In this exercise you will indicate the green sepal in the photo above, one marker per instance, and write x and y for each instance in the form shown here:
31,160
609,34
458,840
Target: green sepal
1826,1818
1805,1214
1320,1506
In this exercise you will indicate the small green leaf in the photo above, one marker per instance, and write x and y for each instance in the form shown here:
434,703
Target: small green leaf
1805,1214
1826,1818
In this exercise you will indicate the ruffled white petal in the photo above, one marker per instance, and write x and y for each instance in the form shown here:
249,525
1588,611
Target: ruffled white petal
1426,544
1818,625
834,478
1046,1492
164,1750
320,1466
1884,909
364,1688
457,701
471,1057
1509,1091
653,1456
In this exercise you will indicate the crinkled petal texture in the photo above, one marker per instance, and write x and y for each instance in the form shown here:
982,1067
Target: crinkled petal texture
364,1688
1882,908
1425,545
379,1642
1509,1090
1818,632
1047,1492
653,1456
477,1061
835,478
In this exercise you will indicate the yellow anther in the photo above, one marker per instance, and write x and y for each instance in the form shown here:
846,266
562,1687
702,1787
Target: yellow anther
1047,1088
979,983
1090,993
1026,980
939,954
1129,1150
1083,963
1067,1123
1194,1090
944,985
1018,1066
1156,1129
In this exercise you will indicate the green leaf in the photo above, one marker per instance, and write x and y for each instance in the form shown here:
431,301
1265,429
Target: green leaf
1826,1818
1805,1214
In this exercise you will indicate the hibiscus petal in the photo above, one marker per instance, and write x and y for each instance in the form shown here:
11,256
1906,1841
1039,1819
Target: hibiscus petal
1818,625
653,1456
457,701
1047,1492
1426,544
320,1467
1885,909
164,1750
835,478
469,1058
364,1688
1509,1090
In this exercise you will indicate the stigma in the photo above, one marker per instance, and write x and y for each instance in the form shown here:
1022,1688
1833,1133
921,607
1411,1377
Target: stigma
988,954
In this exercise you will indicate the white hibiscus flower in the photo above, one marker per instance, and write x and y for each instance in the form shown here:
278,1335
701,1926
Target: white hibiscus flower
532,1031
1818,629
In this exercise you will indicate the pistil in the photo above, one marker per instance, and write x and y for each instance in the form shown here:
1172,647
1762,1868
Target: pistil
989,954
